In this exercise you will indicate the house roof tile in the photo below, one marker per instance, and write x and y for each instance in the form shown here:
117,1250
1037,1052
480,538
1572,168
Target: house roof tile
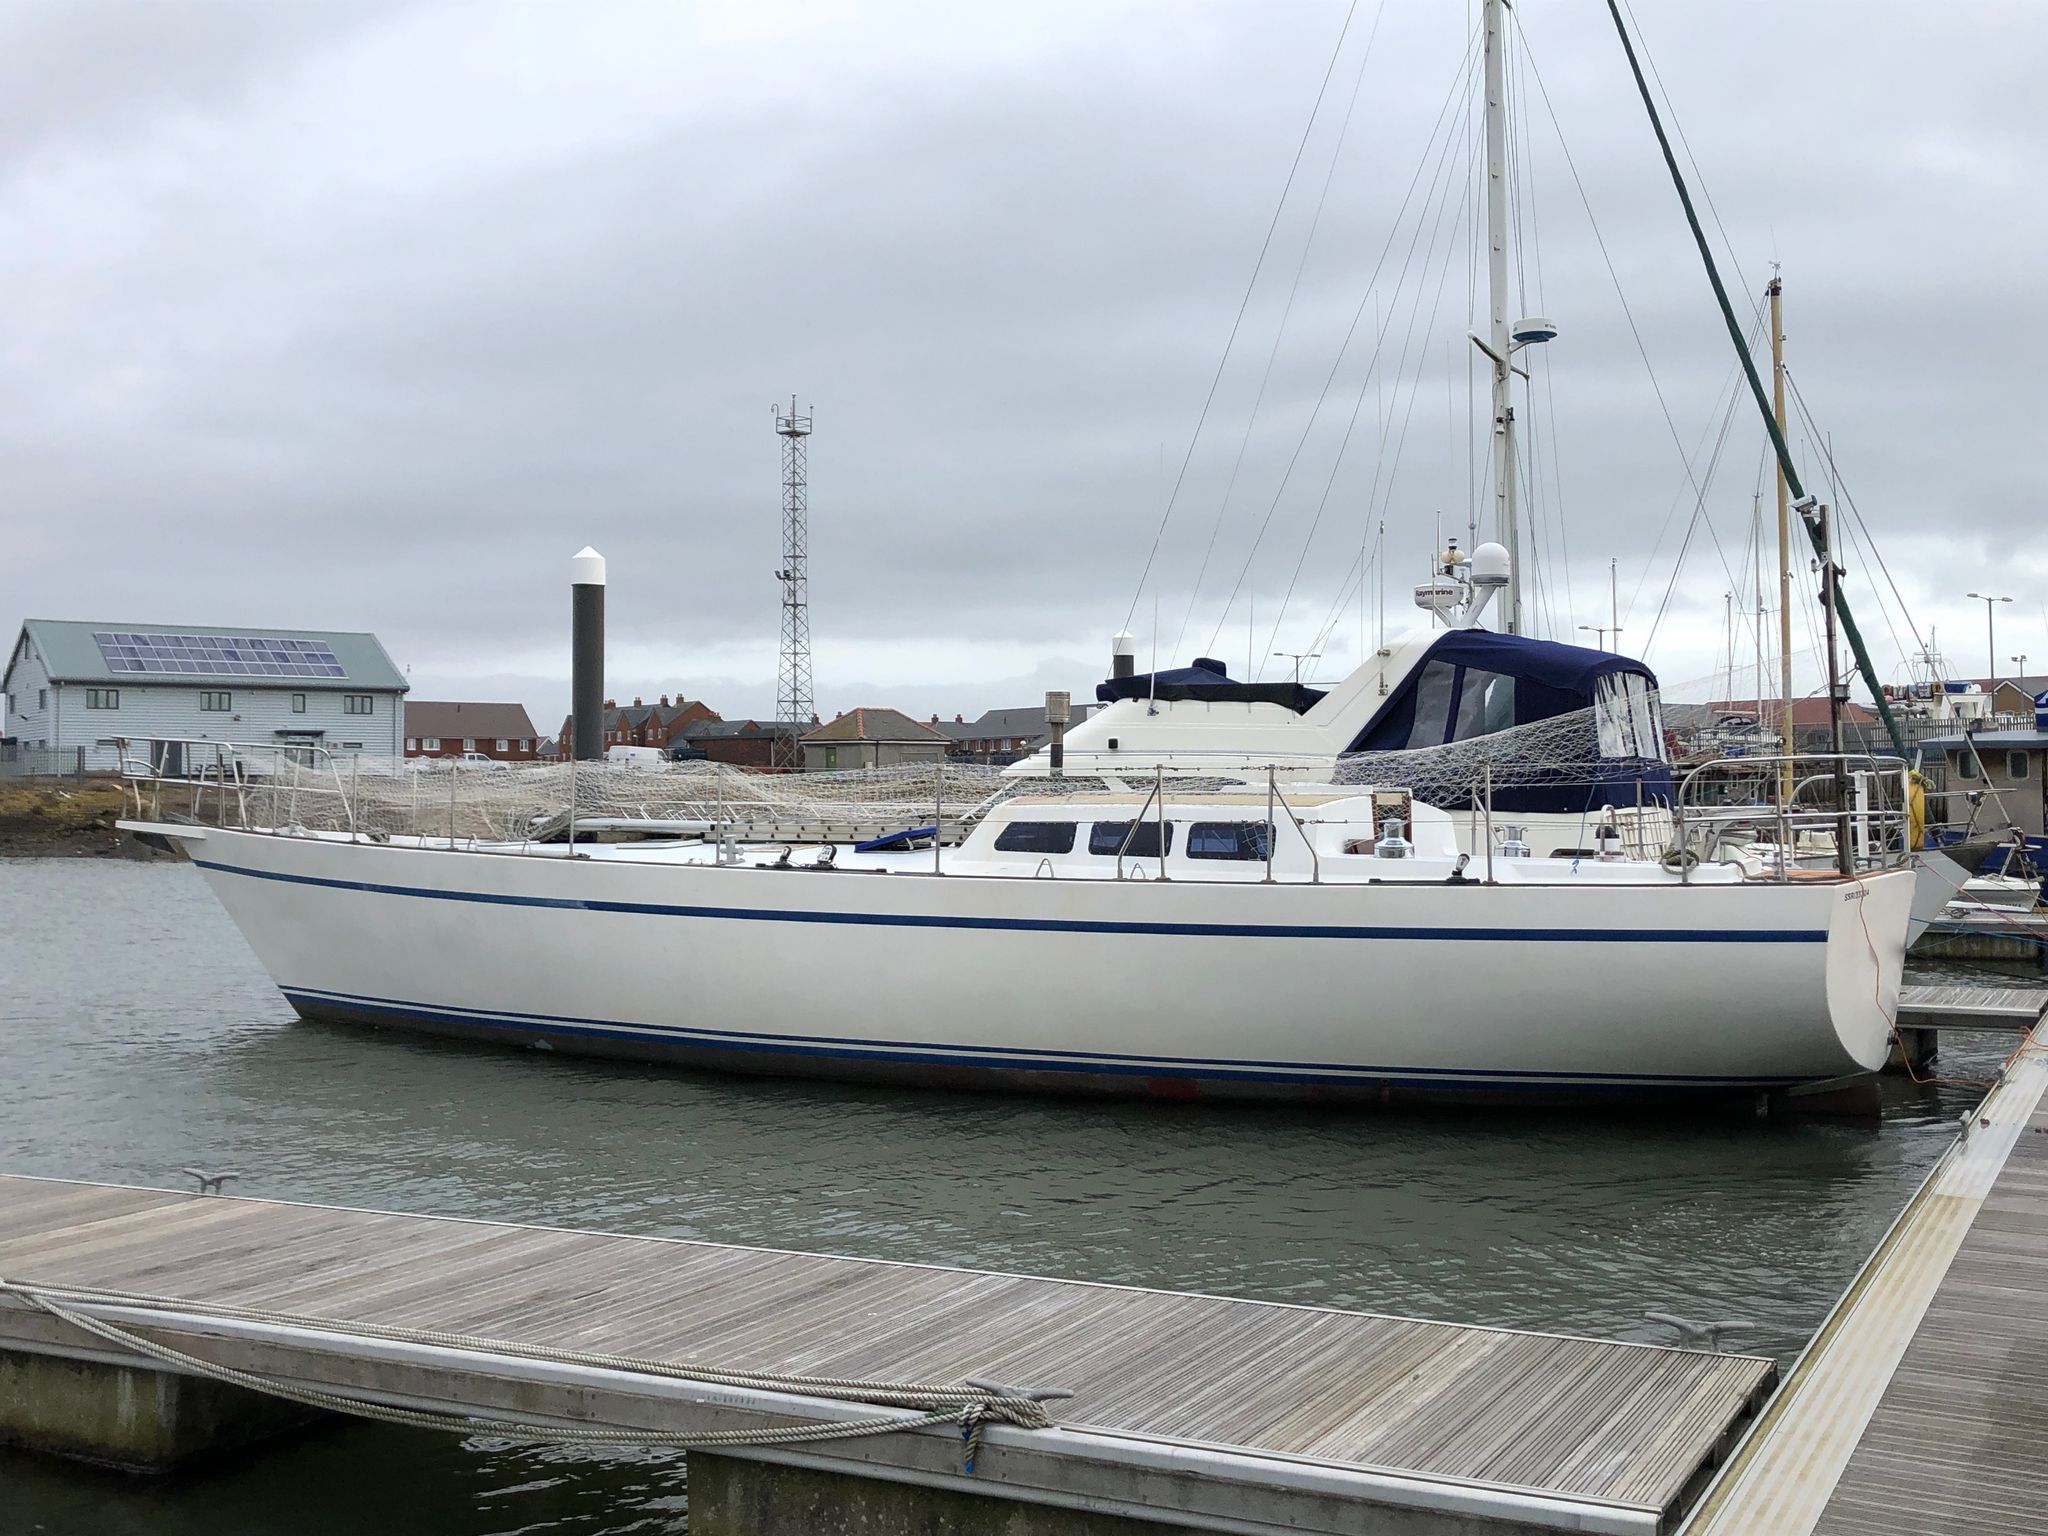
872,724
435,717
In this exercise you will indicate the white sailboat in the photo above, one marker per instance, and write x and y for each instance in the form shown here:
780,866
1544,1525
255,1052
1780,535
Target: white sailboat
1119,932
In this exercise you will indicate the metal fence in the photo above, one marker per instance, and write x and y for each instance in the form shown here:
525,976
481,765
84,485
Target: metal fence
18,761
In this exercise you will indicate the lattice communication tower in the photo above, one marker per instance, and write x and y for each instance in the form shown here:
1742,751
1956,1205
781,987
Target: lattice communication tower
794,701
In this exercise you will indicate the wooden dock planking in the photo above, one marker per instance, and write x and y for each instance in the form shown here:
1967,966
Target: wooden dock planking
1954,1446
1551,1417
1918,1407
1923,1007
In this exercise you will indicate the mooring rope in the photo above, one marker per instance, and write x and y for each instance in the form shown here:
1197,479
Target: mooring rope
926,1404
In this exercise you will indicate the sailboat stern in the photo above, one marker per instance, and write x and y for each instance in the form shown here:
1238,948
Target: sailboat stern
1867,930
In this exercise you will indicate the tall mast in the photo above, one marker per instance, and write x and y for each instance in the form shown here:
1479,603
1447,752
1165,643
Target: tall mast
1776,292
1756,576
1497,334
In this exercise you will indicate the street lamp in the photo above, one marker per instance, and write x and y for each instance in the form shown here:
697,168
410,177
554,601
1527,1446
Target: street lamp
2020,661
1298,657
1599,633
1990,630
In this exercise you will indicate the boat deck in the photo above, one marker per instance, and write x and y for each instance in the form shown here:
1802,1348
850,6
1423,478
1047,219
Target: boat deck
1241,1414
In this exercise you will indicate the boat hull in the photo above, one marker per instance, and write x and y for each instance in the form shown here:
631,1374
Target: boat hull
1174,989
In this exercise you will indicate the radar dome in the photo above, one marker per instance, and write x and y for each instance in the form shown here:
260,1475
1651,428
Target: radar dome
1489,566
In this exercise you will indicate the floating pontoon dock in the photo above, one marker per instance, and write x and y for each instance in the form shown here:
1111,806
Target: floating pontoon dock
1918,1406
1194,1412
1985,935
1972,1007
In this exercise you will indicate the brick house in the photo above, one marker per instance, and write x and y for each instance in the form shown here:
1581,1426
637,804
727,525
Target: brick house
640,724
443,728
742,743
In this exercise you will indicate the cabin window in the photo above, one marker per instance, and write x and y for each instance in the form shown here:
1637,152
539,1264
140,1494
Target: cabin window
1454,703
216,703
1486,703
1246,840
1107,837
1432,704
1628,717
1036,837
1965,764
2015,765
110,698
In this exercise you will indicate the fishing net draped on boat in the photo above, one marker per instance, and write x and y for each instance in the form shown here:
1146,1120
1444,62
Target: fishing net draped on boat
1576,763
503,803
1611,754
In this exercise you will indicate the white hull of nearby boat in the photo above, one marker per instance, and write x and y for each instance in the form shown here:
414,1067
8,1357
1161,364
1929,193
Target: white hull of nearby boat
1175,988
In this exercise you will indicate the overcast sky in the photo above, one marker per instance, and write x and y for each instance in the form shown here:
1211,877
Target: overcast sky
366,315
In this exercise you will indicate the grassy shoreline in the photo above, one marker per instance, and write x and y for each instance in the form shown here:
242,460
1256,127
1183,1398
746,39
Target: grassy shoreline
71,818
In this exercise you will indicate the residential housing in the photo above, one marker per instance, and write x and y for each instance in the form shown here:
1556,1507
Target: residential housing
439,728
741,743
73,687
2013,695
1002,736
639,724
871,738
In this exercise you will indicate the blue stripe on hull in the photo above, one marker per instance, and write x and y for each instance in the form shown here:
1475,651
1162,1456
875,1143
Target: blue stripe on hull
993,1060
1056,925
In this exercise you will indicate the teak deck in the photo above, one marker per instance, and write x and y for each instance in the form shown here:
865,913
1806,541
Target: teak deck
1217,1410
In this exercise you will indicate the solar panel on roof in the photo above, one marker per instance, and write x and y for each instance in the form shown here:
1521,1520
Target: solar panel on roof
217,655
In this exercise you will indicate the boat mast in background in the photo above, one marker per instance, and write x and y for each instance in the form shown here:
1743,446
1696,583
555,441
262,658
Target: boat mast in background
1497,332
1784,543
1805,505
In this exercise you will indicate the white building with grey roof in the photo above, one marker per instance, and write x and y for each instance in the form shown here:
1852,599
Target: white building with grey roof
72,688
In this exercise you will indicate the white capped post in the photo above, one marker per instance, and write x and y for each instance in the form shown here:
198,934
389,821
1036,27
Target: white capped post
586,666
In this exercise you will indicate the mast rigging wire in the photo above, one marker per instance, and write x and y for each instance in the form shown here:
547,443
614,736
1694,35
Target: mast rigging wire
1856,512
1840,603
1280,333
1401,367
1243,304
1358,314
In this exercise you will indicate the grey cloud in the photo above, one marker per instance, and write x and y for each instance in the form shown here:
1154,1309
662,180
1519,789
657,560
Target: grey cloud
289,390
